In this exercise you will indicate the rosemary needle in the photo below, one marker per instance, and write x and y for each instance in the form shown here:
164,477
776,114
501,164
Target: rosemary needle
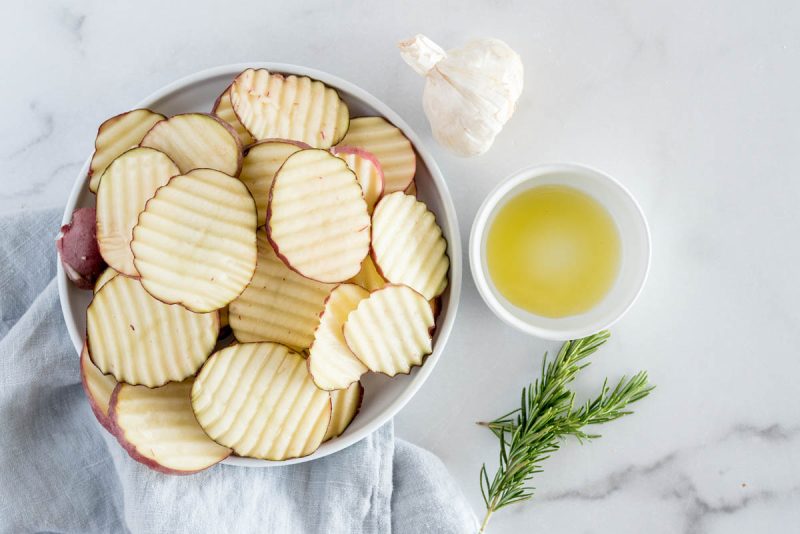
531,433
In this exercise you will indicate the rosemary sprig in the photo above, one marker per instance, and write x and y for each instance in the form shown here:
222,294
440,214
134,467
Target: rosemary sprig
531,433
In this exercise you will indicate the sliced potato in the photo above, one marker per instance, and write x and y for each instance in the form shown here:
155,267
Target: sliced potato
128,183
390,331
394,152
140,340
158,428
317,218
331,363
368,277
104,278
224,110
197,141
98,388
115,136
272,105
259,400
195,243
279,305
260,164
402,224
346,403
367,170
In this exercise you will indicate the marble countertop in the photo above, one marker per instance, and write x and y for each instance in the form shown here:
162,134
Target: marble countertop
693,105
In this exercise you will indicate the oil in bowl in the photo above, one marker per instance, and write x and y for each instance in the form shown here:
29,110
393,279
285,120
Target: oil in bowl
553,251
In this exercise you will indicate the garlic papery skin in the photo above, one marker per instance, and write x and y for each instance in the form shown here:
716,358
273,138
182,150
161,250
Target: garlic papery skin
470,92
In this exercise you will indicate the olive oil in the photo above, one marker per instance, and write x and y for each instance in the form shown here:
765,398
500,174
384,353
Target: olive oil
553,251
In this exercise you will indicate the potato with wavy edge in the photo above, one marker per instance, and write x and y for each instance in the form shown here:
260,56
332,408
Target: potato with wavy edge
368,277
116,135
407,245
393,150
197,141
346,404
157,428
390,331
259,166
272,105
140,340
98,388
279,305
128,183
224,110
317,218
195,243
331,363
104,278
367,170
259,400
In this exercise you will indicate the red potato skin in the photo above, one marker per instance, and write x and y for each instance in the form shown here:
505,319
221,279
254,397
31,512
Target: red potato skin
374,256
366,155
77,247
268,227
224,124
431,331
98,412
110,121
118,432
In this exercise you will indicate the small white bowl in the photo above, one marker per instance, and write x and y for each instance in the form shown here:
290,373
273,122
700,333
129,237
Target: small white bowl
634,236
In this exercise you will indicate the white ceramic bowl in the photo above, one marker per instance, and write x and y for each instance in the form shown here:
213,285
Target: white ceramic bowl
634,235
384,397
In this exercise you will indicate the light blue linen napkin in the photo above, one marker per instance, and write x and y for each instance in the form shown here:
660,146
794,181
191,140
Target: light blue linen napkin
61,472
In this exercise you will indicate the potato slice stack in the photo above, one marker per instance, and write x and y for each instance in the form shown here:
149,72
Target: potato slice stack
280,216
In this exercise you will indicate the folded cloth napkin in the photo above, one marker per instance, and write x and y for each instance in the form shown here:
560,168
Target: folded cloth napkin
61,472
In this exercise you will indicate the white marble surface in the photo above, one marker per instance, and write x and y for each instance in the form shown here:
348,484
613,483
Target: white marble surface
693,105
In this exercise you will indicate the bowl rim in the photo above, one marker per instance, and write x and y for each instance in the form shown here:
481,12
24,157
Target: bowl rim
480,227
448,220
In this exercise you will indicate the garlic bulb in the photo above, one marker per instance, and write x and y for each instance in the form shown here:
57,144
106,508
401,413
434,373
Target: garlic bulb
470,92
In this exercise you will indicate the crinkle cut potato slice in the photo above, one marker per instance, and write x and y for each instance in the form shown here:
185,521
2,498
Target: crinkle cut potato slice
272,105
197,141
195,243
127,184
368,277
115,136
346,403
393,150
224,110
104,278
279,304
367,170
140,340
407,245
260,164
317,218
98,388
390,331
331,363
157,428
259,400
